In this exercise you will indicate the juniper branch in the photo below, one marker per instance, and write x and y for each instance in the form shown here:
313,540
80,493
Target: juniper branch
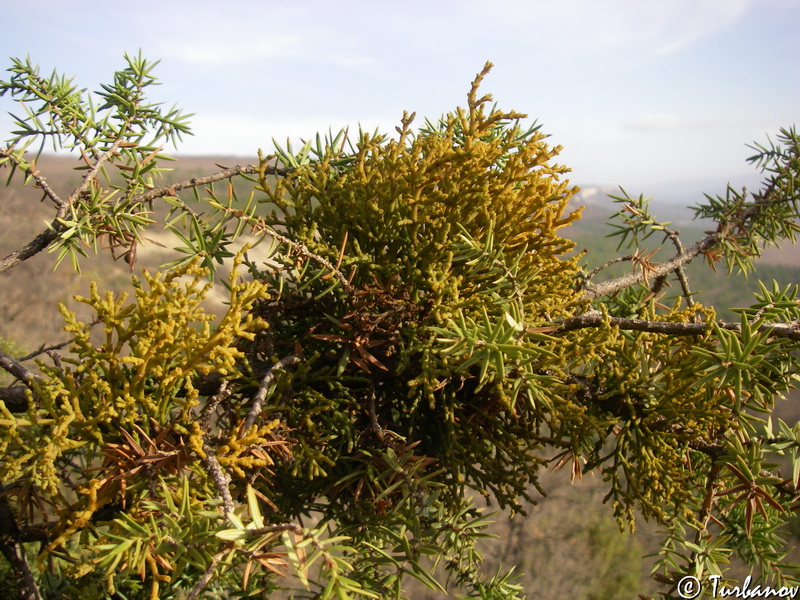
235,171
14,552
595,318
220,478
49,235
37,176
207,575
739,222
261,395
300,249
17,369
14,398
612,286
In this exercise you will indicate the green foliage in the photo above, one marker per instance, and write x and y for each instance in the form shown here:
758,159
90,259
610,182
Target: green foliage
415,330
637,221
747,223
125,131
144,369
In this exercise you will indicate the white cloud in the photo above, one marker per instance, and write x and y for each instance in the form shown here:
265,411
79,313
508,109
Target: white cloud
579,26
233,51
671,122
251,33
245,49
678,24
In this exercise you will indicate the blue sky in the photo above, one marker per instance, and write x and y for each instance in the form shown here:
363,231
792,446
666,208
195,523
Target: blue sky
638,92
